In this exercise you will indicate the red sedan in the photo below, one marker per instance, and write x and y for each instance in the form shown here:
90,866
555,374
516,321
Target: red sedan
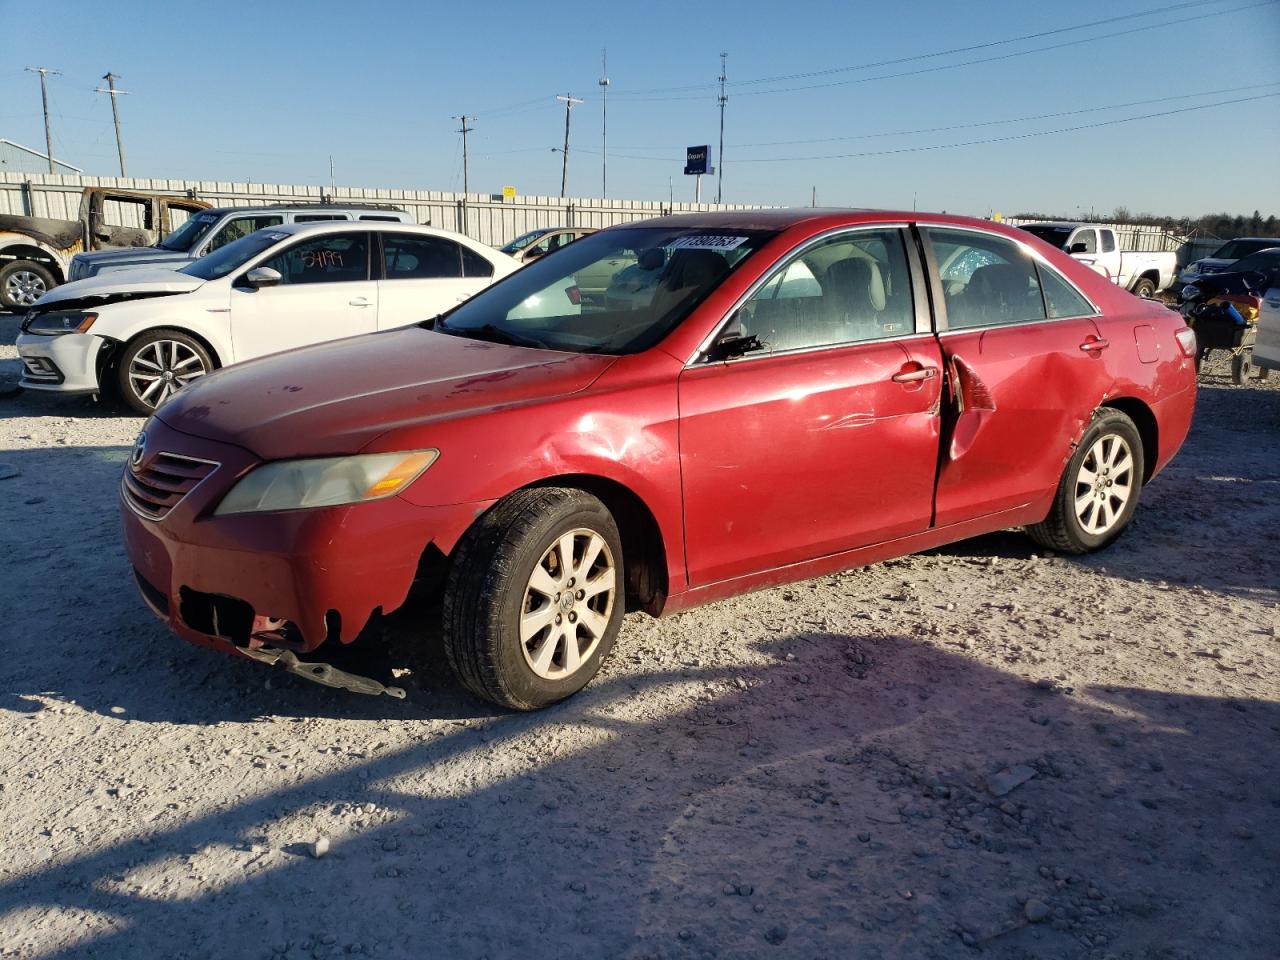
733,401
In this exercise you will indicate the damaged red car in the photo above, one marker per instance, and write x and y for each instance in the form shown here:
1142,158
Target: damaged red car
657,415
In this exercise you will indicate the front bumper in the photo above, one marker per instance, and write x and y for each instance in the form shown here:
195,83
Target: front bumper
67,363
284,580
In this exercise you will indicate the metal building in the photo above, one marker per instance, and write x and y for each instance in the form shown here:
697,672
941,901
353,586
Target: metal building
15,158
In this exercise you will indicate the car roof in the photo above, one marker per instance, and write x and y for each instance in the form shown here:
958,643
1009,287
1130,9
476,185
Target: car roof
786,218
380,226
1275,240
308,208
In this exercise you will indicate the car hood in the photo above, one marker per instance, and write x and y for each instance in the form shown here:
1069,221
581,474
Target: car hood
1212,265
336,397
138,254
120,286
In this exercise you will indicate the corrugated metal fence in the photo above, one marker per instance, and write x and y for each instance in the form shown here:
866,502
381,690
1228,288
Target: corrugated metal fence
484,217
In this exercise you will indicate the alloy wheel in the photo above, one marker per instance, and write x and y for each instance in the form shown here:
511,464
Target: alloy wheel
162,368
1104,484
25,287
567,605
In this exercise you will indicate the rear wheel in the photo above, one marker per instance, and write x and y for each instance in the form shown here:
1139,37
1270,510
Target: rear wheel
22,283
1242,367
534,598
1145,288
157,365
1099,488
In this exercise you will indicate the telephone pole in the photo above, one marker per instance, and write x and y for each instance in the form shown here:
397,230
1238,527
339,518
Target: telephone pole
466,159
115,113
44,100
604,123
723,99
569,103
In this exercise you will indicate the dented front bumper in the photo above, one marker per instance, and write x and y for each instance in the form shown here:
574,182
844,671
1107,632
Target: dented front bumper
273,581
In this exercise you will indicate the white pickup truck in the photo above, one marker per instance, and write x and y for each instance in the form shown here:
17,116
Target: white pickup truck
1144,274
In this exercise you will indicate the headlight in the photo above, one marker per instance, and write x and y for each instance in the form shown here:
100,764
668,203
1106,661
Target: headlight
295,484
1190,292
58,322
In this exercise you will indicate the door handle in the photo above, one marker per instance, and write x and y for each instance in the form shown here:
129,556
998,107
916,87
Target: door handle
359,302
910,376
1095,343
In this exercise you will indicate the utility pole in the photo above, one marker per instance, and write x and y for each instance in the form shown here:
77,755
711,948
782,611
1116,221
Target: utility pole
604,123
466,159
332,187
115,113
569,103
723,99
44,99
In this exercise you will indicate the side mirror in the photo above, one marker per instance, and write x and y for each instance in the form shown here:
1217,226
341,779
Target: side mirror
731,346
260,277
533,254
1078,247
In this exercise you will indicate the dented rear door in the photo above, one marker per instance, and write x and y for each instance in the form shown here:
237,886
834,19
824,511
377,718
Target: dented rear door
1020,386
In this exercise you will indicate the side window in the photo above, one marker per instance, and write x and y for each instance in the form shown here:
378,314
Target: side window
1061,297
985,279
1108,241
332,258
317,217
121,211
374,216
474,265
850,288
238,227
409,257
1089,238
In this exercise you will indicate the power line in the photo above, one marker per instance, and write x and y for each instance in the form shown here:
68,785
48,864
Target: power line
968,63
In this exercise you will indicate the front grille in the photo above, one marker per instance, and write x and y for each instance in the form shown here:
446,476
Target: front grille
158,487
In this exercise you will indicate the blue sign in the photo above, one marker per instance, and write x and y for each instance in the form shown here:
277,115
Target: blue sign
695,161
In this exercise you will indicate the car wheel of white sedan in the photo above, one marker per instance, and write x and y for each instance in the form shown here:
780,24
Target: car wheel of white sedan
157,365
534,597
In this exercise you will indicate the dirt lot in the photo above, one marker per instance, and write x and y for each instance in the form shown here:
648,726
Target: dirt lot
979,750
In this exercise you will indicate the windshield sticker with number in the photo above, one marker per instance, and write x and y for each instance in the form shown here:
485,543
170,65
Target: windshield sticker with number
707,242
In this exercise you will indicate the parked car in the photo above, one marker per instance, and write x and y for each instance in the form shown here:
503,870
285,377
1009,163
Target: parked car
1142,273
538,243
1225,310
1266,349
933,378
216,227
35,252
1222,259
149,332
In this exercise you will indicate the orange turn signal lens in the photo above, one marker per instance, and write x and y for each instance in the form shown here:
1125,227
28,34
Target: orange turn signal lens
402,474
86,323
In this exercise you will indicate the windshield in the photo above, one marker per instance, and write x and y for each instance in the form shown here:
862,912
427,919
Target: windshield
617,291
225,259
1049,233
522,241
190,233
1235,249
1262,260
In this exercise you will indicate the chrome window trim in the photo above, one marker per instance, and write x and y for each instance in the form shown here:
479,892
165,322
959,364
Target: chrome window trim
1030,251
764,278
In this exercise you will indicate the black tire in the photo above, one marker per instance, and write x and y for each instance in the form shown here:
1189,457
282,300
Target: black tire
131,391
1063,530
1242,367
1144,288
487,591
36,280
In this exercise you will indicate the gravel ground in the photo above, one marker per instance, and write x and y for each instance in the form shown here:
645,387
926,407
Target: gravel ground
977,750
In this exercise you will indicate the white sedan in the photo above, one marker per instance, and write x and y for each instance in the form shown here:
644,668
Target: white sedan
149,332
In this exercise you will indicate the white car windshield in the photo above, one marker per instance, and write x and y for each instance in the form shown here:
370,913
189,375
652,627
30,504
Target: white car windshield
225,259
617,291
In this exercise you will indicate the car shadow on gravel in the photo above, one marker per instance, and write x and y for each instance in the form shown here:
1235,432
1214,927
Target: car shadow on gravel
845,795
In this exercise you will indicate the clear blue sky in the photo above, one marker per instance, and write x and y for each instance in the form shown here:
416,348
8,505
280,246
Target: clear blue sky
266,91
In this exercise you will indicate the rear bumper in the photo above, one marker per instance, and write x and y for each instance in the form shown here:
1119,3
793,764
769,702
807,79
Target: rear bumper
316,575
66,364
1173,420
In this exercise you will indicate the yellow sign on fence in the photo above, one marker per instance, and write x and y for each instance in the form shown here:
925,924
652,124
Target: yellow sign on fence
508,193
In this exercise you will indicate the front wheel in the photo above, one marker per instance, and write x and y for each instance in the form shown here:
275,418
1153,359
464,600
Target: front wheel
1099,488
534,598
157,365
